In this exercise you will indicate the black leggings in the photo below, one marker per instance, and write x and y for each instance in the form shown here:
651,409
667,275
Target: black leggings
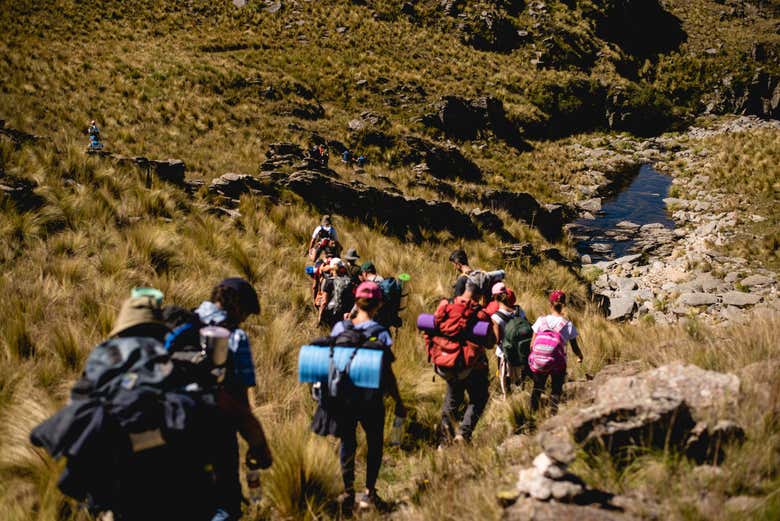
540,382
373,422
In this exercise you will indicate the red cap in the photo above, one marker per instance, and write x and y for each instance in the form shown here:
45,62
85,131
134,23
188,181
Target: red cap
557,296
369,290
511,300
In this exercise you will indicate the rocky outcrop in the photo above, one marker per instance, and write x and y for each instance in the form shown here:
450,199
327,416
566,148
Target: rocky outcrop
672,406
19,192
758,95
370,128
548,219
18,137
233,186
398,214
489,29
440,161
463,118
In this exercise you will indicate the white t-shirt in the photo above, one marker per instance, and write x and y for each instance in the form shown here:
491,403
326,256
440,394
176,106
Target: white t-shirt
330,229
568,331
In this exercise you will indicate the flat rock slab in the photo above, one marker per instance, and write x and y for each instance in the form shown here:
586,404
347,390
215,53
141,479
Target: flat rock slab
697,299
756,280
533,510
740,299
621,307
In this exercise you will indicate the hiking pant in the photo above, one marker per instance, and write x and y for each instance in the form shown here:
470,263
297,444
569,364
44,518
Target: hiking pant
373,422
476,384
226,470
540,382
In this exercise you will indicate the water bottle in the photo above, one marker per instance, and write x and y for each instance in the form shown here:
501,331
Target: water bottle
397,432
253,483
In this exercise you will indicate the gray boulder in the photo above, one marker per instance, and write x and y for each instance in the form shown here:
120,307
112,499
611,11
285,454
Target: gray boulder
697,299
756,280
621,307
740,299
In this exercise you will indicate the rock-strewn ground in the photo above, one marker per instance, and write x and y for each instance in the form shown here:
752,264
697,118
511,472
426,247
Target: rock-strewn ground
687,271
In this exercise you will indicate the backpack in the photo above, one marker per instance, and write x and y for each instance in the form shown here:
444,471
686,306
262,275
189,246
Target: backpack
450,346
338,396
131,431
183,344
484,280
324,233
548,353
392,293
516,344
343,297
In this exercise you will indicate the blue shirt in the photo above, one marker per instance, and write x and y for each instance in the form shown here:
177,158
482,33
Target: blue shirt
383,337
238,344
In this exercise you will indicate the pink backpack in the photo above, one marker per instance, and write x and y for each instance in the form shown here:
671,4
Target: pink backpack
548,353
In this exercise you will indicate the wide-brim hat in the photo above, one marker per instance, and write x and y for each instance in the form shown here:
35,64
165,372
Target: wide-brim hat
351,255
138,311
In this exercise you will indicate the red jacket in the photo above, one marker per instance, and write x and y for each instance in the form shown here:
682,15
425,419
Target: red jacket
453,345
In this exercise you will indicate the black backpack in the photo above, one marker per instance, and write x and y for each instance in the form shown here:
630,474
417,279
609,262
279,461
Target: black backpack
342,300
392,293
183,345
338,396
132,430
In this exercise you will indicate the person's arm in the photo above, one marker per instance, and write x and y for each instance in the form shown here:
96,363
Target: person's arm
391,383
237,408
497,332
576,348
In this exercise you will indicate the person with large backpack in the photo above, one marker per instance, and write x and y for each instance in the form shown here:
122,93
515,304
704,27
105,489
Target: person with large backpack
324,238
484,280
232,301
138,435
460,262
548,351
337,294
513,338
460,359
342,405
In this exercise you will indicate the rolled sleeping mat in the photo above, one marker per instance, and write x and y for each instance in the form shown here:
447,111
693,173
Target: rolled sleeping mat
310,271
425,322
365,371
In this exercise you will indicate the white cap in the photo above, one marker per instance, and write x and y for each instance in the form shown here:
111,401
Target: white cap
335,262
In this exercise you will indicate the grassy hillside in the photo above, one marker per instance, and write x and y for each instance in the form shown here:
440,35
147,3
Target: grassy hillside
214,85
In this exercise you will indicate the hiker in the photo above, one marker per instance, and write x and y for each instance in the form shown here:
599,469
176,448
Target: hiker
368,273
513,338
324,239
548,351
361,161
324,155
346,157
366,406
351,258
124,457
232,301
460,261
460,359
337,294
94,136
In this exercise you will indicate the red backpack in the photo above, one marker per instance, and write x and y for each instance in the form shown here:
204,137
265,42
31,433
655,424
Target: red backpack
451,346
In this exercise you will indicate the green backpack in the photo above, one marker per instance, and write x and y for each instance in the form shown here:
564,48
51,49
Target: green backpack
516,345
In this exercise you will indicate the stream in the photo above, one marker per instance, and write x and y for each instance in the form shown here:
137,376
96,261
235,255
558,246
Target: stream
612,233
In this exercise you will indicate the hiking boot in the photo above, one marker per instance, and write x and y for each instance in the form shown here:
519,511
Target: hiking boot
372,501
346,503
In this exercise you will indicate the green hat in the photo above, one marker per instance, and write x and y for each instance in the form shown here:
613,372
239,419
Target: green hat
368,267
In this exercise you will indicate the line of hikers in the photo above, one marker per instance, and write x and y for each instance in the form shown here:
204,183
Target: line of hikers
159,405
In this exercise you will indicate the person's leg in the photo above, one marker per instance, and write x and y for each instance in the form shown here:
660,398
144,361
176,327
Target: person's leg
540,380
373,423
557,390
347,453
477,385
226,470
452,401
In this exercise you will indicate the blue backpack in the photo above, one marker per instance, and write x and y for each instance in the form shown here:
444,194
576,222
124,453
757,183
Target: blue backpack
392,293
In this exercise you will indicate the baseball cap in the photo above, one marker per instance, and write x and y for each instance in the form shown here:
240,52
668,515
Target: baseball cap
498,288
557,296
368,267
369,290
335,262
247,296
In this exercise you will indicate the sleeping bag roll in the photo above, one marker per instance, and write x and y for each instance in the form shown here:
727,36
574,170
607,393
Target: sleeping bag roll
365,371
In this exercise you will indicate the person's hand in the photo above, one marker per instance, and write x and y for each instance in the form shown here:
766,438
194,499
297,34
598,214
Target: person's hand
258,457
400,410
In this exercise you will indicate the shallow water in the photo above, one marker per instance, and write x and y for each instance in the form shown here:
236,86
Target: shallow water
641,202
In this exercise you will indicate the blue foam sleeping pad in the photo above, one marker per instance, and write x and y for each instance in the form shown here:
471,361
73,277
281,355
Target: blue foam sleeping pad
365,371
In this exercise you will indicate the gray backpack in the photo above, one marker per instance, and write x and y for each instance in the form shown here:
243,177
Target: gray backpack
343,297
